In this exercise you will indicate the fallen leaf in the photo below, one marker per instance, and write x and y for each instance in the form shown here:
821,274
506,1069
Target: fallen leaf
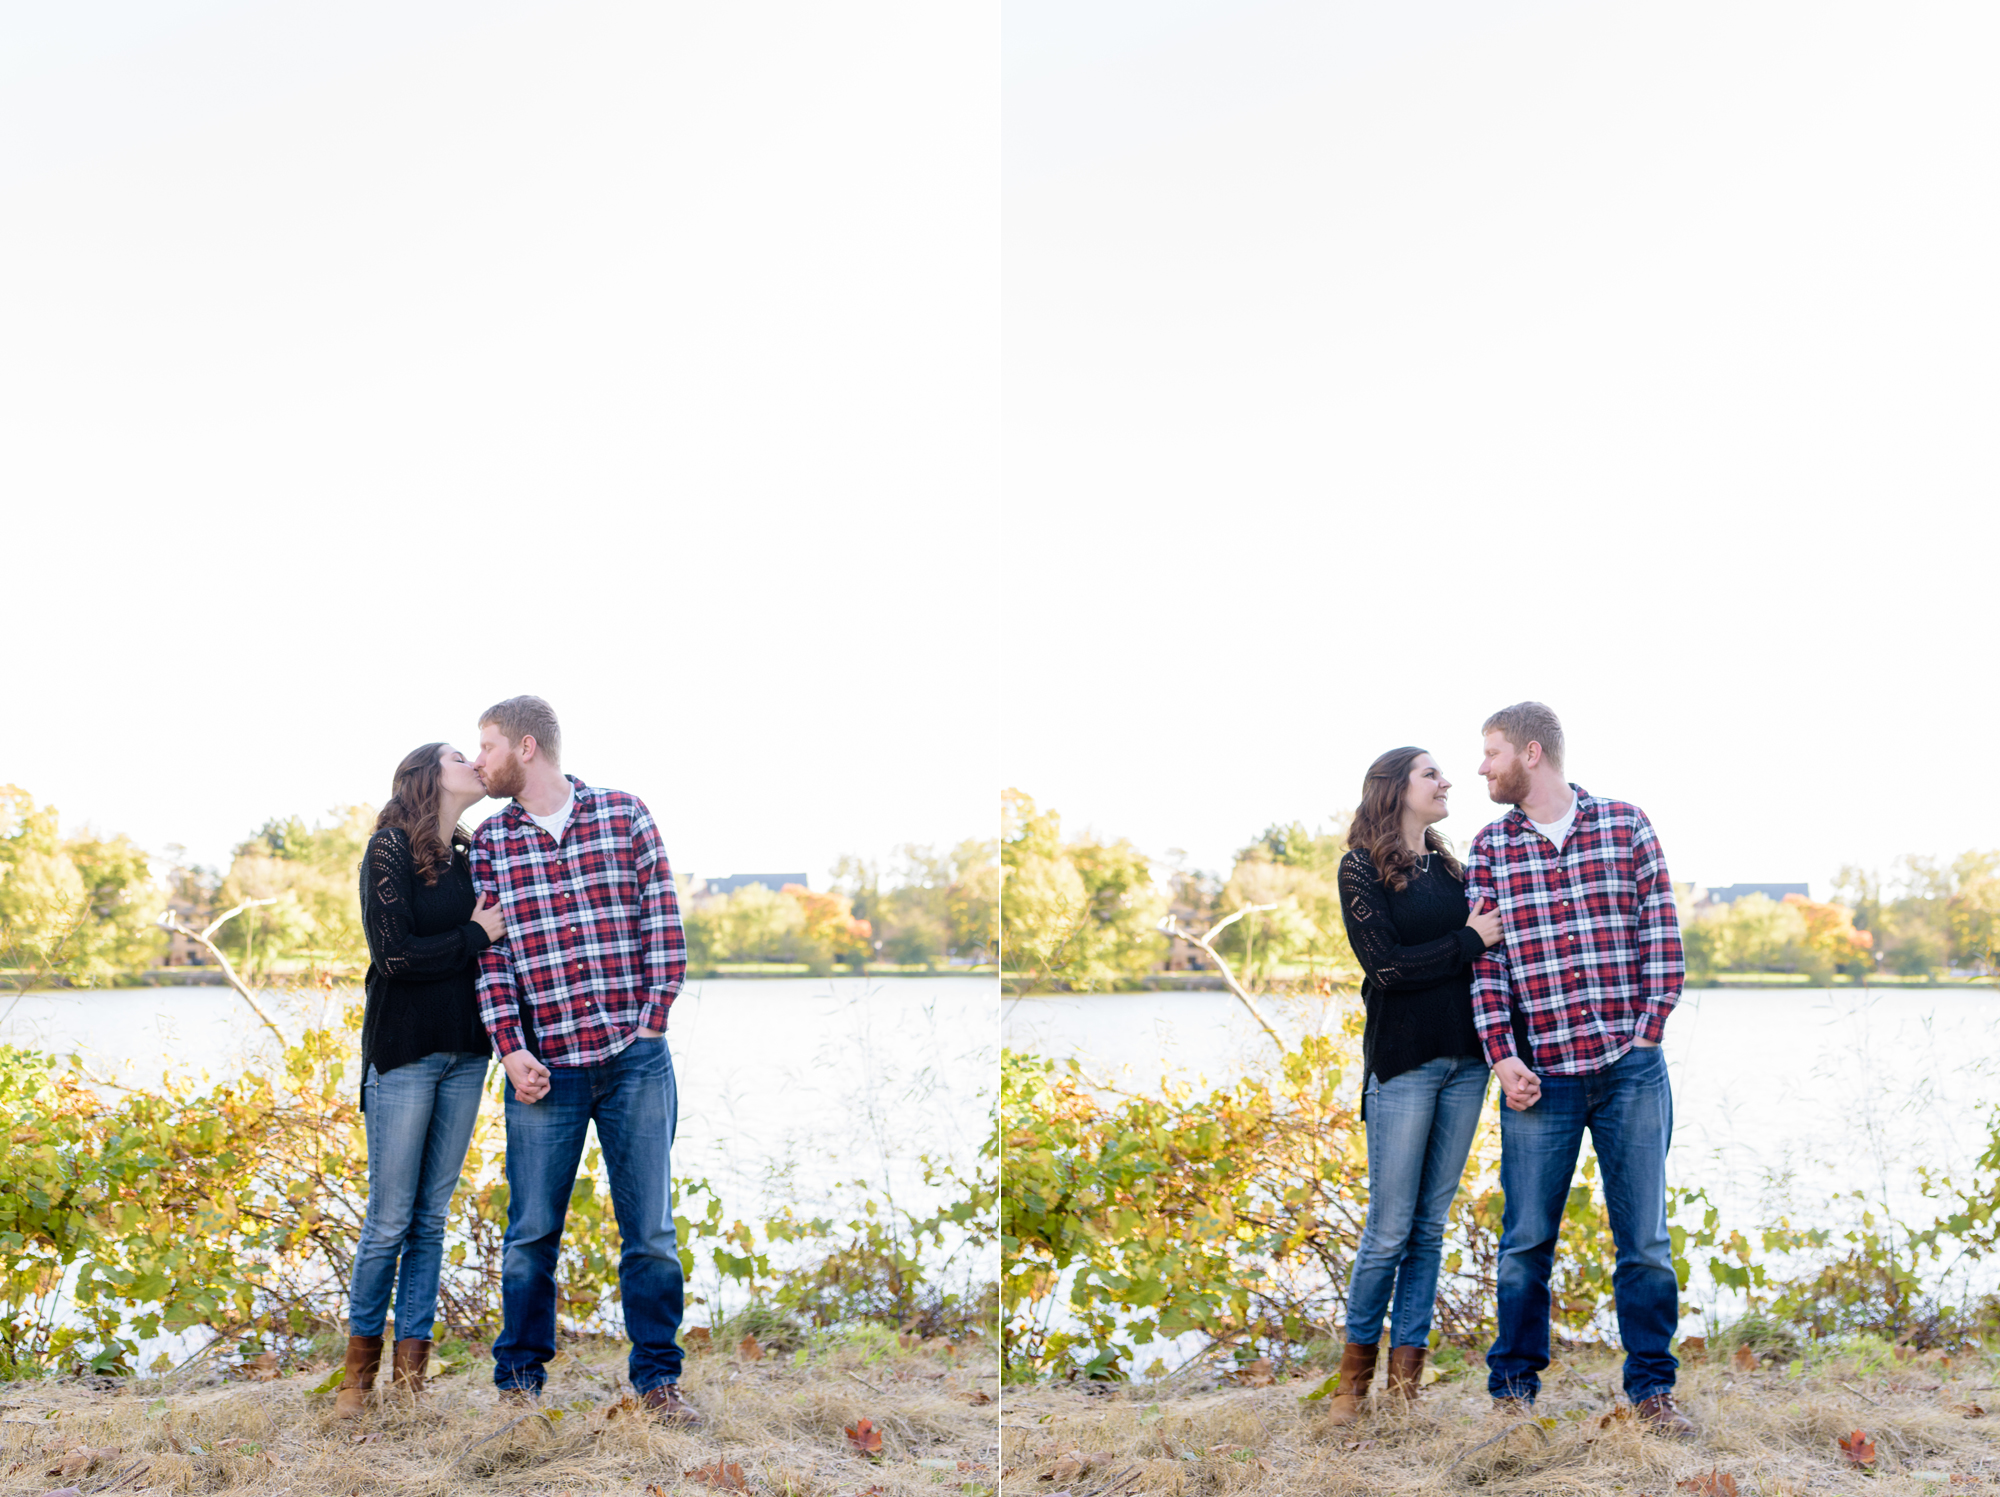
368,1439
1616,1416
1710,1483
864,1437
1745,1360
1969,1410
1255,1374
727,1477
80,1458
977,1396
696,1338
1359,1445
1858,1448
1264,1465
1694,1348
749,1350
262,1368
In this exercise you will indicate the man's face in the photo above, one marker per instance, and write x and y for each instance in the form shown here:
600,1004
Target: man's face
1505,770
499,764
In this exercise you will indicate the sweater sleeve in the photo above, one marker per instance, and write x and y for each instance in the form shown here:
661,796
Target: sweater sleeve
1371,931
387,913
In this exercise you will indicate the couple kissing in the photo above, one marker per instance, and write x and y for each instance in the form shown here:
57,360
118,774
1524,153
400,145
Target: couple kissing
552,936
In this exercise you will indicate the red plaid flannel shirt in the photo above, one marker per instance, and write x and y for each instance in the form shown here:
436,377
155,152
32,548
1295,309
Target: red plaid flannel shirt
593,930
1590,952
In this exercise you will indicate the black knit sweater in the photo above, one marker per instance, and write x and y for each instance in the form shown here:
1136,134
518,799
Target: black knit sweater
1418,952
423,947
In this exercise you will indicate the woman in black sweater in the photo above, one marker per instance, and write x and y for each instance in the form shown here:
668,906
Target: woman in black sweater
424,1053
1402,895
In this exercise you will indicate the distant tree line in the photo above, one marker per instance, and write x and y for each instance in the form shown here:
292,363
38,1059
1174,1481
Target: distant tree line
88,906
1084,912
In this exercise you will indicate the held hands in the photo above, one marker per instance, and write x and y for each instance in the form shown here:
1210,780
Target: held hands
530,1076
1520,1086
1486,922
489,919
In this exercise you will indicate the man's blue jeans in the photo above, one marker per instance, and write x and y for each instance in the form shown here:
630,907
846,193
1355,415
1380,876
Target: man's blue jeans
631,1099
1629,1110
420,1119
1420,1128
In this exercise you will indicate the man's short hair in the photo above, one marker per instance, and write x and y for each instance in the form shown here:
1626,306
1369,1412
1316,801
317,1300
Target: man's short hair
527,717
1529,722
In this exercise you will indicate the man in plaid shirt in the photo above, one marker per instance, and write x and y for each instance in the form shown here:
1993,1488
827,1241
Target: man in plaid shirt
576,996
1570,1006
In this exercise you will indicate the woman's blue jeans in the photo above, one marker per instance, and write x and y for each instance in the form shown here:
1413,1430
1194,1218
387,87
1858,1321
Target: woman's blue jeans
1420,1128
420,1119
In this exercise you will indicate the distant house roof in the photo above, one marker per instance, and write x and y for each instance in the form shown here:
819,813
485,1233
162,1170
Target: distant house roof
772,881
1776,893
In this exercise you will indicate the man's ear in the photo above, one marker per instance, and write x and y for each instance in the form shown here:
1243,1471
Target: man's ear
1532,754
529,748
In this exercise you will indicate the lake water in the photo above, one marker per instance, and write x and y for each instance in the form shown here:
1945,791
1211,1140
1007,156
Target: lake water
1781,1097
788,1087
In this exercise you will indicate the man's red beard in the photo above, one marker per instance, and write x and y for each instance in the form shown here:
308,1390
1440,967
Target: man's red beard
1509,789
506,778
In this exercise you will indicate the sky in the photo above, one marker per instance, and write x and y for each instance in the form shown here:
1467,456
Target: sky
366,364
1370,368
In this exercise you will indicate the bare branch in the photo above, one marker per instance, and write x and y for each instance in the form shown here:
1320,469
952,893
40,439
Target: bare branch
173,922
1173,928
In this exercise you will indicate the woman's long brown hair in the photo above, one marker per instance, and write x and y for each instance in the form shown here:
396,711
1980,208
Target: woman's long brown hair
1377,828
414,801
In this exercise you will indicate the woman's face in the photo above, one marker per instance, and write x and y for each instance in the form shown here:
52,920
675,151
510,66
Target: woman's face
459,777
1426,797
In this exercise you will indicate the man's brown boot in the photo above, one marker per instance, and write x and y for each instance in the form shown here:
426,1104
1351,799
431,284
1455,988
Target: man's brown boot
364,1360
412,1357
666,1404
1357,1372
1664,1418
1406,1371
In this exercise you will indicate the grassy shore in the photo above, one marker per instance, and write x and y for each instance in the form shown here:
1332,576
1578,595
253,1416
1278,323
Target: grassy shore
1773,1429
781,1417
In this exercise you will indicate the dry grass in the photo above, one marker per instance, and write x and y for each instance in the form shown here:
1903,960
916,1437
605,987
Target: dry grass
782,1423
1771,1431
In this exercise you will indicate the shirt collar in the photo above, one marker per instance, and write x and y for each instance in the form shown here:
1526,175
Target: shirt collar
1516,820
516,813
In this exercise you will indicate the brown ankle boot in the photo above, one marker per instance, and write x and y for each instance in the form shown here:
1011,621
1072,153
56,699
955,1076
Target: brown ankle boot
1357,1372
411,1358
364,1360
1406,1371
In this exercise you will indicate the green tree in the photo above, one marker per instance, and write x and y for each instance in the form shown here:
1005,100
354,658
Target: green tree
93,897
1083,913
312,870
1299,871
